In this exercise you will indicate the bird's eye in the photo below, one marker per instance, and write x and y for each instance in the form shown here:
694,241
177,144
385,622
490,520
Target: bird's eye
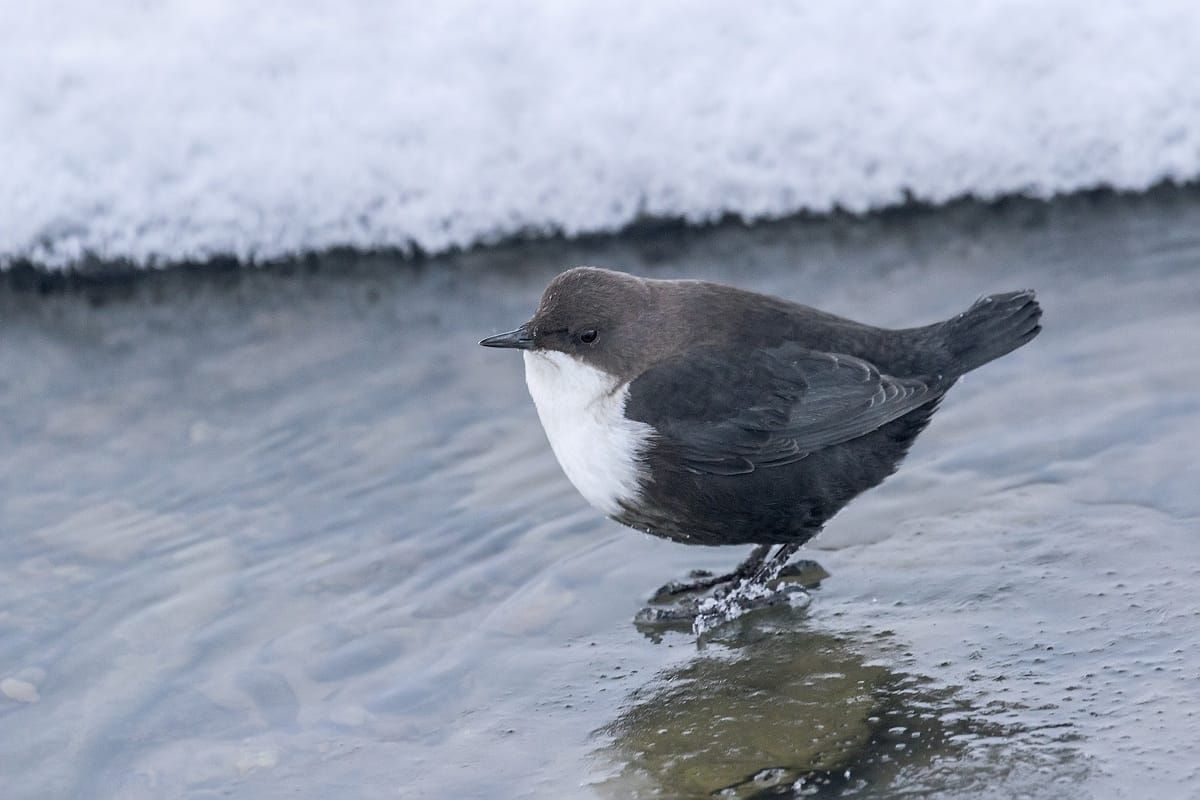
588,336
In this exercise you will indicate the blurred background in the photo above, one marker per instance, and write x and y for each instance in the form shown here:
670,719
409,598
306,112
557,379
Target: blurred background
272,525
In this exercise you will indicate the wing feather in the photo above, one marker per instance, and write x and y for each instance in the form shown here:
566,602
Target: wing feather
723,413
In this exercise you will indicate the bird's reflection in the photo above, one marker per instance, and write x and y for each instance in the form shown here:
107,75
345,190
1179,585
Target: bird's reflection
773,707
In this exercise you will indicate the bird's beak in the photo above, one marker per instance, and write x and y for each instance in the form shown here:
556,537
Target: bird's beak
520,339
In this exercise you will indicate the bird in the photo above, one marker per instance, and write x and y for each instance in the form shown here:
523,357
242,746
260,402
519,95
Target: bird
712,415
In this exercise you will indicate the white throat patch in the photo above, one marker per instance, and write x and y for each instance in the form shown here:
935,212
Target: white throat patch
583,413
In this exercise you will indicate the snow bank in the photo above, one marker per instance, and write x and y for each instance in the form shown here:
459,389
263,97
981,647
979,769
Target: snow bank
158,131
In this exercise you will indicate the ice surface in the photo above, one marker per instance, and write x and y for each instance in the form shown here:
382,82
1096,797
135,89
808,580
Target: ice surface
19,690
167,131
259,544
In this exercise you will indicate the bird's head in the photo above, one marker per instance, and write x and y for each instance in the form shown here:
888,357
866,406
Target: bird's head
602,318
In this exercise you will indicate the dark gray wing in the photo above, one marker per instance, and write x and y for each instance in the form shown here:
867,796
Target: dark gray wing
729,413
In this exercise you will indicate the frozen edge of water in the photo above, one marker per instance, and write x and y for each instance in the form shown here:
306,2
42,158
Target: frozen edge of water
23,274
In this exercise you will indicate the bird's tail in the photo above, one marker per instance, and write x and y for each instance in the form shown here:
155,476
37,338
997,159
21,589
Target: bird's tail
994,326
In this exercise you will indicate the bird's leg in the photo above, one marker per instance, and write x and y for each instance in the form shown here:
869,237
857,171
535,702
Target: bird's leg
760,589
775,565
759,582
781,570
747,568
762,572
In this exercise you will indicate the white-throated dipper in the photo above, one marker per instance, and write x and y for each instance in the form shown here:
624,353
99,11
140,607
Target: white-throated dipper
712,415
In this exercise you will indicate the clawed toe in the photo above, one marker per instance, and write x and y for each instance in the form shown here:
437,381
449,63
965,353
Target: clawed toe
667,591
704,580
656,616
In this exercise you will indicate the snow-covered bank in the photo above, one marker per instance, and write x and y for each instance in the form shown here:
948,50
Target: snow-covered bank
176,130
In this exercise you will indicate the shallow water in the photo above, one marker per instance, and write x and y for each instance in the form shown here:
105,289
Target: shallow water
295,535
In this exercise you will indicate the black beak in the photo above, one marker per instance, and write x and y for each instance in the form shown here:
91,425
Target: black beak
518,339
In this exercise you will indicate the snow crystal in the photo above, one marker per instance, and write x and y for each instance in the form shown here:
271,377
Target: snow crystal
179,130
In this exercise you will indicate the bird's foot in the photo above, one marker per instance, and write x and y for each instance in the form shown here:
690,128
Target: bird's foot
702,580
702,614
744,598
730,596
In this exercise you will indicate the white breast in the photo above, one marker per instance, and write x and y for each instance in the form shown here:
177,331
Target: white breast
583,412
